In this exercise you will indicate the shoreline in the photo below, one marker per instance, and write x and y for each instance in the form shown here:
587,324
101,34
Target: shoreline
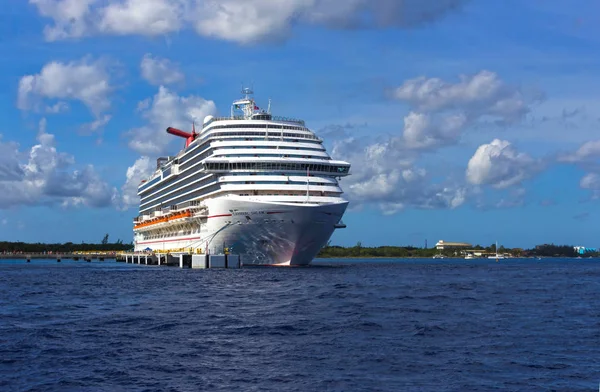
77,256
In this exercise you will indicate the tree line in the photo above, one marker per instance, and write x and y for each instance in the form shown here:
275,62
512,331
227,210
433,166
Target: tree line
329,251
546,250
104,245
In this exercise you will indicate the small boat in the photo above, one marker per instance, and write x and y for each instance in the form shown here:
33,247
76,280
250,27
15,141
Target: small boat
498,256
469,256
439,256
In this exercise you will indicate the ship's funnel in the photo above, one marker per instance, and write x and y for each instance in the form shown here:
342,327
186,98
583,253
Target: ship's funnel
178,132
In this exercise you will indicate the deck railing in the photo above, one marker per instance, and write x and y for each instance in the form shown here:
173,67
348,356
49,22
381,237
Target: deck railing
273,118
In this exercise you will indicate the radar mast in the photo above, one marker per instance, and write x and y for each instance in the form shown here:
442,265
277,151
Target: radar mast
246,105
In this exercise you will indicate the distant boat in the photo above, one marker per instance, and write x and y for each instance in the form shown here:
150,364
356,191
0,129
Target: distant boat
497,257
439,256
469,256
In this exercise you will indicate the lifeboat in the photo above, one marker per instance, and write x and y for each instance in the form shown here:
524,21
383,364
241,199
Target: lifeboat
164,219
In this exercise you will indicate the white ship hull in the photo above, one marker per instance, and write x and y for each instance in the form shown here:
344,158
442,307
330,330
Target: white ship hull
263,233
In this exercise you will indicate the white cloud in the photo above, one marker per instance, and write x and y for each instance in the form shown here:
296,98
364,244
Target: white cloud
474,95
386,175
586,157
443,111
82,188
159,71
515,198
72,18
249,21
10,156
589,151
85,80
422,131
96,124
43,175
140,170
58,107
143,17
500,165
242,21
590,181
166,109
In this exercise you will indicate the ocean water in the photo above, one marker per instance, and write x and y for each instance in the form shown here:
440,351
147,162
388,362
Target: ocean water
340,325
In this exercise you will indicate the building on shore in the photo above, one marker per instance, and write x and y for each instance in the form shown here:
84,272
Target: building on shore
582,250
445,245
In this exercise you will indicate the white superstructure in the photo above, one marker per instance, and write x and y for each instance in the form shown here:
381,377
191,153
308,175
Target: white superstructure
258,185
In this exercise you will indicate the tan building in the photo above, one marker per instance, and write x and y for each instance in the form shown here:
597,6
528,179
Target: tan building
441,245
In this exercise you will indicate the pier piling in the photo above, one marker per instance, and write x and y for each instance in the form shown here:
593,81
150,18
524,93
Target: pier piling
183,260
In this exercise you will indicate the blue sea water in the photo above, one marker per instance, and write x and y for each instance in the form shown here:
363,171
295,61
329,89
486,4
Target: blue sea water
340,325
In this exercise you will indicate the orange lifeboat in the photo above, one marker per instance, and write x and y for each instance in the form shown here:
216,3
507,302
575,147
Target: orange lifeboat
180,215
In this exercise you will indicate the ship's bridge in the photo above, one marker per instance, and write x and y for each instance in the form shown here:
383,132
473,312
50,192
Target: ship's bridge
262,116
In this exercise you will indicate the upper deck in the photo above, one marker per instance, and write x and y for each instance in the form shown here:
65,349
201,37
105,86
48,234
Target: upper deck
258,116
246,123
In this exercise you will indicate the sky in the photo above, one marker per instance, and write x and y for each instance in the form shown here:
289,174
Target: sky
463,120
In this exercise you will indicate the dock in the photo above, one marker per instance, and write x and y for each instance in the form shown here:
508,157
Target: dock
167,259
181,260
86,256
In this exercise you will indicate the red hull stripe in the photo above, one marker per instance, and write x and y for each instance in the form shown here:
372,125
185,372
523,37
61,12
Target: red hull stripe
160,242
219,216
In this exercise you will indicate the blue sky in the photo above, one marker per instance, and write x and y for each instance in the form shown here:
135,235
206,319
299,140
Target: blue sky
463,120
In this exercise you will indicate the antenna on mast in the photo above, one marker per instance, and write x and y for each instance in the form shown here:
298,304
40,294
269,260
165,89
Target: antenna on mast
247,91
269,107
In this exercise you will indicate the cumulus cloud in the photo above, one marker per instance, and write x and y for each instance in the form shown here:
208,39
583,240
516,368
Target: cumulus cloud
166,109
10,156
590,181
242,21
72,18
96,124
587,157
43,175
423,131
387,176
442,111
140,170
475,95
143,17
387,172
589,151
500,165
158,71
58,107
84,80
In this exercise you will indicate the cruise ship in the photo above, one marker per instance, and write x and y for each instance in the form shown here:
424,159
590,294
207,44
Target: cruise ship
252,184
